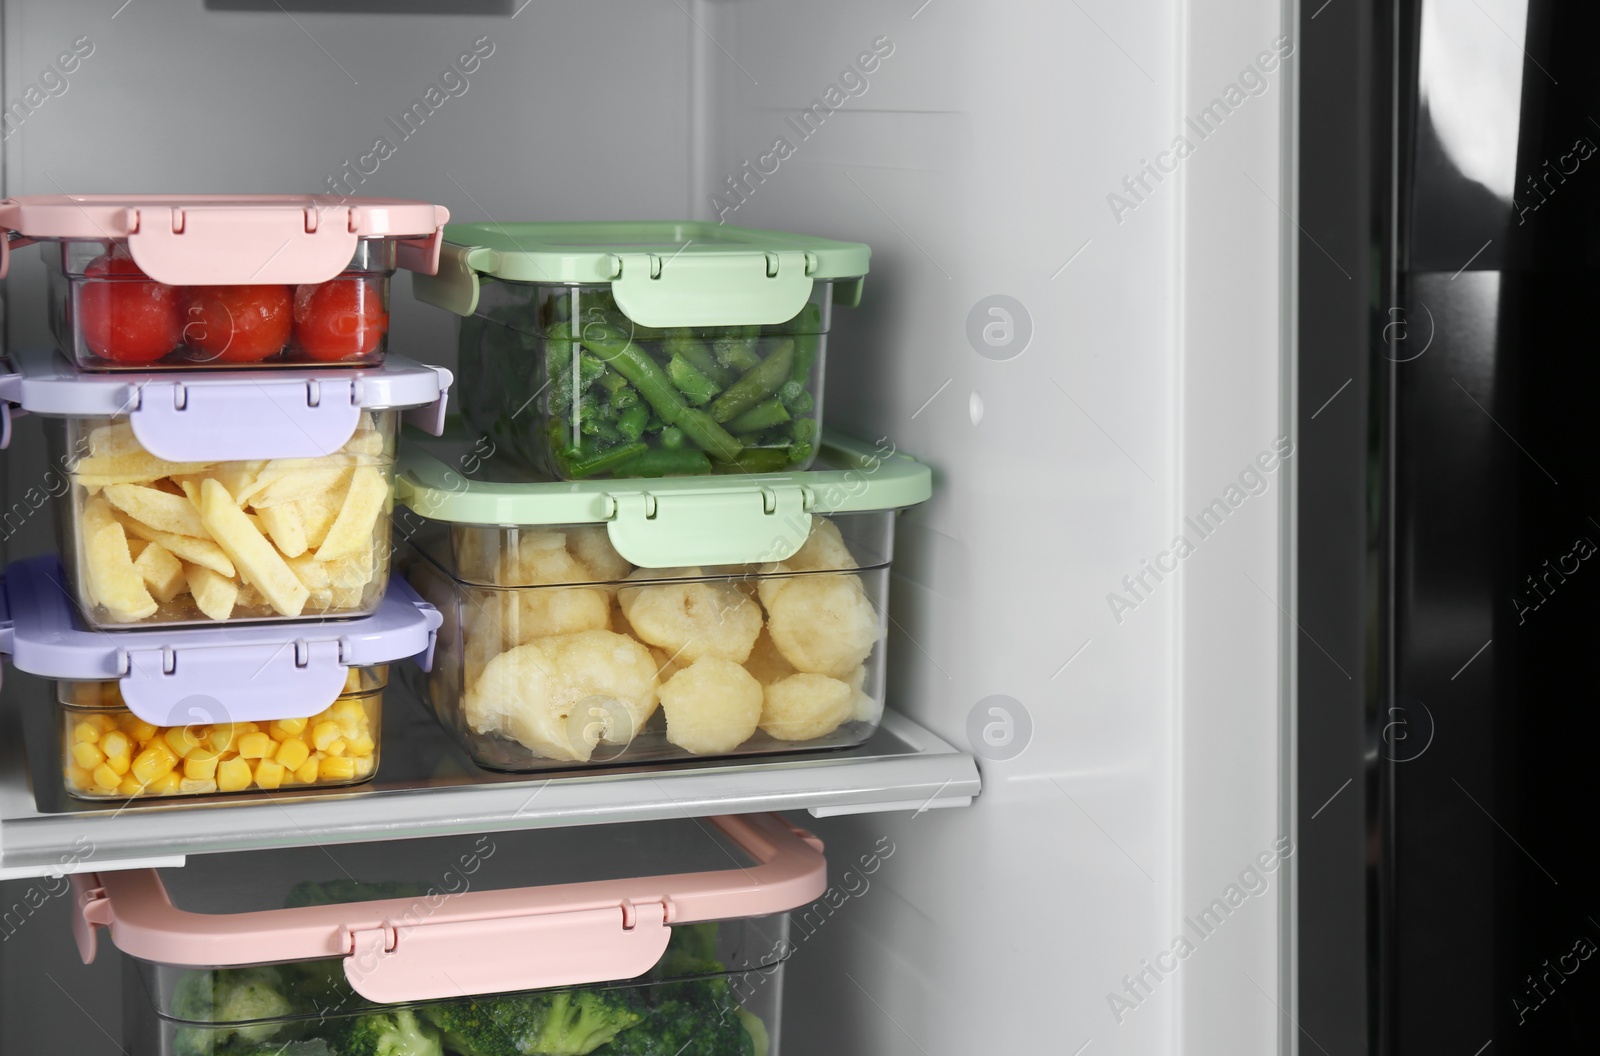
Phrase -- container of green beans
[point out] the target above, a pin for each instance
(644, 349)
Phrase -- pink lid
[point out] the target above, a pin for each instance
(481, 939)
(219, 240)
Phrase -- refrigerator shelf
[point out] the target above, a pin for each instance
(426, 787)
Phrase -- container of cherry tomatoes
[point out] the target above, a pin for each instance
(141, 282)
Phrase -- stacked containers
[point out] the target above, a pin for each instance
(515, 942)
(645, 349)
(244, 474)
(626, 618)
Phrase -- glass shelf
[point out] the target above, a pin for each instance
(426, 787)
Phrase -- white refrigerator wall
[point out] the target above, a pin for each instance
(1084, 373)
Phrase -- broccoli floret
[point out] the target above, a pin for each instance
(243, 996)
(687, 1028)
(397, 1032)
(566, 1023)
(342, 890)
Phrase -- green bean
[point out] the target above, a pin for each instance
(757, 384)
(704, 430)
(589, 463)
(700, 356)
(695, 386)
(763, 415)
(632, 421)
(665, 462)
(755, 460)
(736, 348)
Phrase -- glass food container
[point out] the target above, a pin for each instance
(108, 752)
(645, 349)
(142, 282)
(617, 940)
(227, 497)
(232, 709)
(604, 624)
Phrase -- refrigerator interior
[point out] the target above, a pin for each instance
(1095, 358)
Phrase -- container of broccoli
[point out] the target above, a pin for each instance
(644, 349)
(690, 1004)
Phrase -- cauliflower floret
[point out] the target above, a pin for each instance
(770, 583)
(560, 696)
(804, 707)
(540, 558)
(691, 620)
(712, 706)
(666, 666)
(766, 663)
(544, 611)
(489, 622)
(823, 550)
(823, 623)
(865, 707)
(591, 545)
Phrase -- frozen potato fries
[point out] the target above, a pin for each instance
(229, 540)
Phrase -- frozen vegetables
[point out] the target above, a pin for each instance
(241, 539)
(308, 1009)
(616, 398)
(585, 653)
(112, 753)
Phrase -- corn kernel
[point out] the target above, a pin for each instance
(86, 733)
(106, 722)
(233, 775)
(200, 767)
(324, 734)
(224, 735)
(141, 731)
(184, 739)
(247, 727)
(197, 786)
(283, 729)
(120, 764)
(87, 755)
(153, 762)
(333, 768)
(269, 774)
(257, 746)
(339, 747)
(130, 787)
(293, 753)
(363, 745)
(106, 778)
(167, 784)
(78, 777)
(116, 743)
(347, 711)
(308, 771)
(365, 765)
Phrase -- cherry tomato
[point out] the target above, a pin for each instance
(237, 324)
(339, 319)
(124, 319)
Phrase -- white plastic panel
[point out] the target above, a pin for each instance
(977, 163)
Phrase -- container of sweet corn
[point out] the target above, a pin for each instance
(622, 623)
(265, 707)
(108, 752)
(223, 498)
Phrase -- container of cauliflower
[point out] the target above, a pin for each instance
(558, 650)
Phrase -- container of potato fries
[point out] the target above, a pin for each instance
(211, 498)
(629, 622)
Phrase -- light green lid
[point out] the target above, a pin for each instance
(674, 521)
(662, 272)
